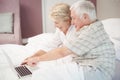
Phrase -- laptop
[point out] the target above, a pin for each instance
(21, 71)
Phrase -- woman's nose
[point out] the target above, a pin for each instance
(55, 25)
(72, 22)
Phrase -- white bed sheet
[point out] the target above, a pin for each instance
(18, 53)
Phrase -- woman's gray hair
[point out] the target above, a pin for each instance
(60, 11)
(82, 7)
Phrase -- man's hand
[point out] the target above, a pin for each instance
(32, 61)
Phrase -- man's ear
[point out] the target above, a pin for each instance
(85, 16)
(86, 19)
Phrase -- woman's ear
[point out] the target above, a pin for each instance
(68, 21)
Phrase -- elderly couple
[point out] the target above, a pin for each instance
(84, 50)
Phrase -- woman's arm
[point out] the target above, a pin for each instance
(39, 53)
(50, 55)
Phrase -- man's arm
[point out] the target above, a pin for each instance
(55, 54)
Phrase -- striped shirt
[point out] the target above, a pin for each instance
(94, 51)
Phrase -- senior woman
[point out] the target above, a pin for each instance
(53, 64)
(60, 15)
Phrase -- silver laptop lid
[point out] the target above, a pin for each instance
(12, 67)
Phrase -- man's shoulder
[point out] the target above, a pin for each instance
(96, 26)
(96, 23)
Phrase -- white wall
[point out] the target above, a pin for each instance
(108, 9)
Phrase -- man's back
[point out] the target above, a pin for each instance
(95, 52)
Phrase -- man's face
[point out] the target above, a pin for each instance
(76, 20)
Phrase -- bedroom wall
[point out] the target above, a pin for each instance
(108, 9)
(31, 20)
(11, 6)
(31, 17)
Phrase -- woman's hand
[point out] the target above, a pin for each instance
(31, 61)
(34, 59)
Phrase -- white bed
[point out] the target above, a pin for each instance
(18, 53)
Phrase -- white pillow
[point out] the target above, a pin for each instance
(37, 42)
(40, 38)
(6, 22)
(112, 27)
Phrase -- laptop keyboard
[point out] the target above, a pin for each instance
(23, 71)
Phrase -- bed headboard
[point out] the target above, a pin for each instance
(13, 7)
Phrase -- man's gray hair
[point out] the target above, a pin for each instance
(82, 7)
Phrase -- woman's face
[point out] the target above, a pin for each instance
(62, 25)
